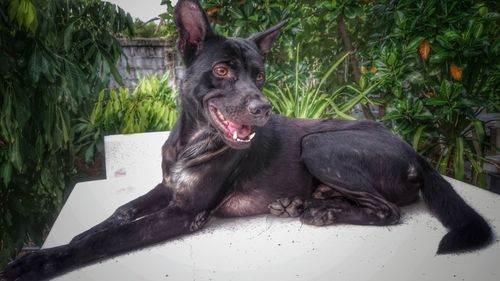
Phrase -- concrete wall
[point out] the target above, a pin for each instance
(147, 56)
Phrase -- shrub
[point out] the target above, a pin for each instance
(55, 56)
(303, 96)
(150, 107)
(436, 62)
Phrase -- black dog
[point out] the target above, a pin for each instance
(229, 156)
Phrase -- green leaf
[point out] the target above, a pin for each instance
(89, 154)
(16, 157)
(450, 36)
(35, 65)
(444, 159)
(479, 130)
(391, 59)
(64, 127)
(114, 71)
(349, 12)
(30, 16)
(6, 173)
(68, 34)
(478, 31)
(13, 9)
(417, 137)
(458, 162)
(413, 45)
(329, 72)
(236, 14)
(477, 167)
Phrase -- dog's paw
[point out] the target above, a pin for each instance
(199, 221)
(26, 267)
(287, 207)
(319, 216)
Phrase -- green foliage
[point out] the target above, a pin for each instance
(164, 29)
(306, 97)
(312, 24)
(55, 55)
(162, 26)
(434, 99)
(150, 107)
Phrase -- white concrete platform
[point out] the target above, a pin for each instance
(265, 247)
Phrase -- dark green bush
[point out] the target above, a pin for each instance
(55, 56)
(437, 62)
(150, 107)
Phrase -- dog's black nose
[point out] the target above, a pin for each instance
(259, 108)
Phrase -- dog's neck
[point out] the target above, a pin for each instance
(194, 128)
(191, 145)
(192, 141)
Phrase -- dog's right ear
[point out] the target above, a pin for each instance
(193, 26)
(265, 39)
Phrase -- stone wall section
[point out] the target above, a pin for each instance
(147, 56)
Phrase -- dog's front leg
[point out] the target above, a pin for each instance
(156, 199)
(153, 228)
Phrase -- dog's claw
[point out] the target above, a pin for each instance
(286, 207)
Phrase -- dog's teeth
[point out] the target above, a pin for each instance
(220, 115)
(235, 135)
(226, 123)
(251, 136)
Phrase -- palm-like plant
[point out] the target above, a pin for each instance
(307, 98)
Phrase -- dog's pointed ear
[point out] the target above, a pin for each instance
(193, 26)
(264, 40)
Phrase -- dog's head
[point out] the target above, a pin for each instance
(224, 77)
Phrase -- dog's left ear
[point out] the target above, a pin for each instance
(264, 40)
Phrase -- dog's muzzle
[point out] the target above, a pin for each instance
(259, 110)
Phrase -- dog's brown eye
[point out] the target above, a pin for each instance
(221, 71)
(259, 77)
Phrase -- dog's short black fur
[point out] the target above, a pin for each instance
(229, 156)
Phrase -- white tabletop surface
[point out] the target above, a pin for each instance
(265, 247)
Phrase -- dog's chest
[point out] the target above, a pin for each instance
(285, 176)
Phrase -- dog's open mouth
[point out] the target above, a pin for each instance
(234, 132)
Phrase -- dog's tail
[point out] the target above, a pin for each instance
(467, 229)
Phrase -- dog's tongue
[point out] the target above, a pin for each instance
(243, 131)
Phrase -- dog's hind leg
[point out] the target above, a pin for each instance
(156, 199)
(335, 210)
(296, 206)
(345, 169)
(363, 209)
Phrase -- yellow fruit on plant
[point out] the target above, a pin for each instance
(424, 49)
(456, 72)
